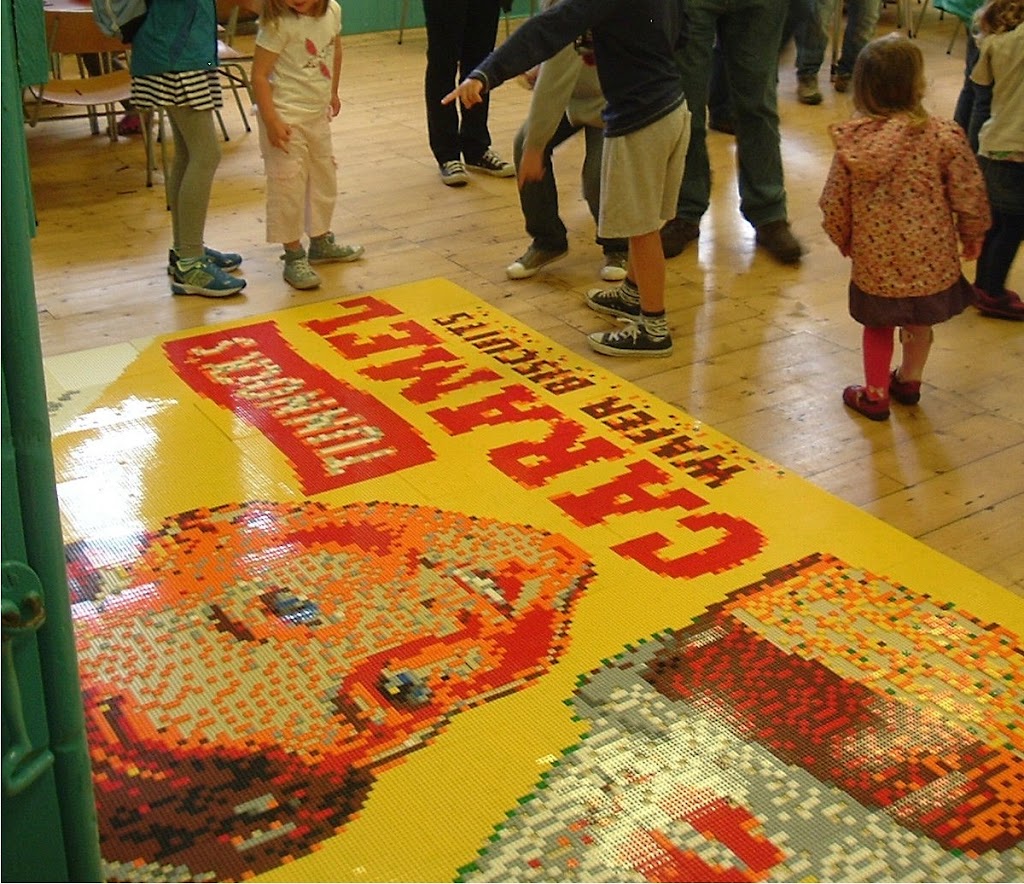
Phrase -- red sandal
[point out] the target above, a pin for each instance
(856, 397)
(907, 392)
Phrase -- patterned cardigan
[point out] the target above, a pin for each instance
(899, 195)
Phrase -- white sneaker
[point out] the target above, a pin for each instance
(614, 269)
(531, 261)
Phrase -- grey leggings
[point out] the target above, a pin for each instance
(196, 157)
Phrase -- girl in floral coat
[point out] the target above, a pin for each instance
(903, 193)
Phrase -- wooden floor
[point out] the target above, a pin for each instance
(762, 351)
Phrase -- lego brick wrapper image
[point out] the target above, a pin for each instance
(302, 646)
(392, 587)
(790, 734)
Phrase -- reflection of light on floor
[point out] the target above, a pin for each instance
(107, 470)
(132, 409)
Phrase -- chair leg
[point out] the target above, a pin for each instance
(402, 20)
(223, 128)
(956, 30)
(146, 124)
(163, 154)
(238, 79)
(920, 17)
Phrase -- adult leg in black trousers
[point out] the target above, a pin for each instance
(460, 34)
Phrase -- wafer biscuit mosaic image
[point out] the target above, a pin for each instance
(390, 587)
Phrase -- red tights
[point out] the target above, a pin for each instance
(878, 349)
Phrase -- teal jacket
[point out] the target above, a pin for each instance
(962, 9)
(177, 35)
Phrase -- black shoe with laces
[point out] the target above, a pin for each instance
(491, 164)
(631, 340)
(616, 301)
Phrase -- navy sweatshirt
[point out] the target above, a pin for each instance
(634, 49)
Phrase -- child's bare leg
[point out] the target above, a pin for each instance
(647, 333)
(917, 343)
(647, 269)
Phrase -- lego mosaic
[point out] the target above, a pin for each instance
(391, 588)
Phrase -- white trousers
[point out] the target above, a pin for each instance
(302, 181)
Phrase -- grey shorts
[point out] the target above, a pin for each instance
(641, 174)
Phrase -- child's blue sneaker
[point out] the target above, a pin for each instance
(323, 249)
(202, 276)
(224, 260)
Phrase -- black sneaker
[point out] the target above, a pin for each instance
(453, 173)
(631, 340)
(614, 302)
(491, 164)
(531, 261)
(777, 239)
(676, 235)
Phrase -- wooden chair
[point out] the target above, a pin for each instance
(232, 62)
(69, 36)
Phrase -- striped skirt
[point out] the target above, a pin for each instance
(199, 90)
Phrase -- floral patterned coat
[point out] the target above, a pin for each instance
(898, 197)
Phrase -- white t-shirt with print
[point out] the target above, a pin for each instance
(304, 45)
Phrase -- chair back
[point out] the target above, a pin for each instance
(227, 18)
(76, 33)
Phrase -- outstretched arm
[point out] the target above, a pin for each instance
(470, 92)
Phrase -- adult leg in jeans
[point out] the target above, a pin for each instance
(719, 109)
(750, 36)
(694, 61)
(190, 178)
(539, 199)
(974, 104)
(861, 22)
(1004, 180)
(809, 24)
(480, 31)
(591, 176)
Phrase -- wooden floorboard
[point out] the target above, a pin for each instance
(762, 351)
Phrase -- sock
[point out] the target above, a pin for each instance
(878, 347)
(629, 292)
(655, 324)
(294, 254)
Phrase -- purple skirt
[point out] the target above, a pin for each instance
(878, 312)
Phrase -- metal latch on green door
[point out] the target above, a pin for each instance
(23, 613)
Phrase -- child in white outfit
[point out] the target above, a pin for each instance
(295, 74)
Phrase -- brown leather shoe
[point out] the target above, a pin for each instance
(1009, 306)
(777, 239)
(676, 235)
